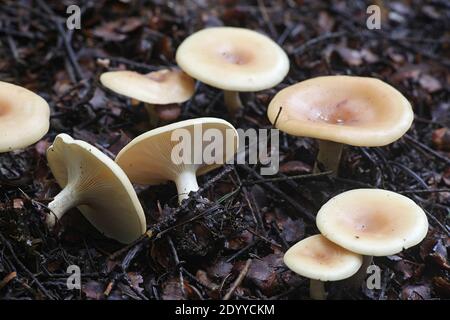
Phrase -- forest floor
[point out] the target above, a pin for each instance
(197, 251)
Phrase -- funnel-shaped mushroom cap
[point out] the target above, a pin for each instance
(98, 187)
(318, 258)
(158, 87)
(233, 59)
(149, 158)
(356, 111)
(24, 117)
(372, 222)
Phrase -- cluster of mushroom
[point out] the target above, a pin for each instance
(355, 226)
(231, 59)
(101, 189)
(235, 60)
(337, 110)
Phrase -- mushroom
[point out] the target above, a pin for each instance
(97, 186)
(234, 60)
(156, 89)
(319, 259)
(372, 222)
(337, 110)
(150, 159)
(24, 117)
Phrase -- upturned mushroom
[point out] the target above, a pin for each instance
(372, 222)
(24, 117)
(158, 90)
(158, 156)
(320, 260)
(97, 186)
(234, 60)
(338, 110)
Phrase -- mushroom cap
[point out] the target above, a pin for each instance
(318, 258)
(158, 87)
(357, 111)
(234, 59)
(372, 221)
(106, 196)
(24, 117)
(147, 158)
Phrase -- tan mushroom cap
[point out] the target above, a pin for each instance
(318, 258)
(24, 117)
(372, 222)
(147, 158)
(98, 187)
(233, 59)
(357, 111)
(159, 87)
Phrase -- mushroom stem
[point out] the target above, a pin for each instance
(356, 280)
(152, 115)
(186, 182)
(64, 201)
(329, 156)
(232, 101)
(317, 290)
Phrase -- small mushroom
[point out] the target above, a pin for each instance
(24, 117)
(339, 110)
(234, 60)
(372, 222)
(97, 186)
(156, 89)
(148, 159)
(319, 259)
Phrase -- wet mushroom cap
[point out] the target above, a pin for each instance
(106, 196)
(320, 259)
(356, 111)
(147, 158)
(159, 87)
(24, 117)
(233, 59)
(372, 222)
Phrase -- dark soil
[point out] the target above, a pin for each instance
(197, 251)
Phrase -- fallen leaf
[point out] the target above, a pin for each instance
(136, 281)
(416, 292)
(441, 139)
(220, 269)
(93, 290)
(430, 83)
(264, 273)
(295, 167)
(442, 286)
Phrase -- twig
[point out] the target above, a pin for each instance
(312, 42)
(239, 279)
(177, 265)
(424, 191)
(25, 269)
(7, 279)
(296, 177)
(289, 199)
(416, 144)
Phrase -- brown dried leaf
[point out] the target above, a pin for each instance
(441, 139)
(136, 281)
(93, 290)
(430, 83)
(416, 292)
(264, 273)
(295, 167)
(220, 269)
(442, 286)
